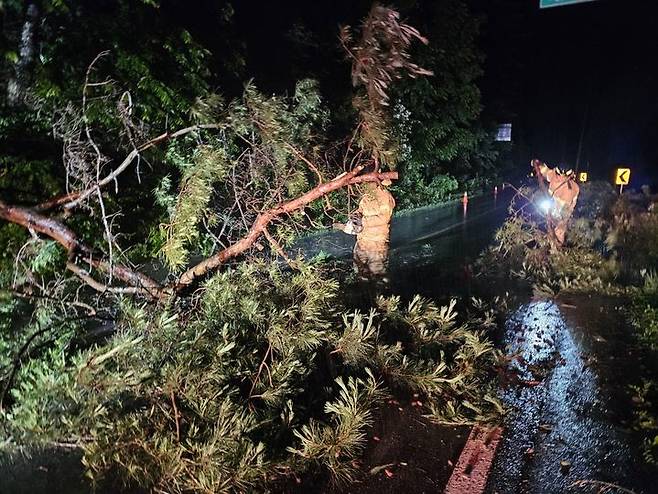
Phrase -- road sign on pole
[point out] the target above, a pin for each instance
(622, 177)
(582, 177)
(545, 4)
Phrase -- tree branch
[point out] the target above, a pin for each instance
(278, 249)
(307, 161)
(100, 287)
(264, 219)
(374, 177)
(56, 202)
(73, 199)
(142, 284)
(69, 240)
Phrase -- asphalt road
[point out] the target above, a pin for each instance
(569, 429)
(431, 248)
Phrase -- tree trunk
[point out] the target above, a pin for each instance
(18, 82)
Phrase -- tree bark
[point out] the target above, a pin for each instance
(78, 251)
(18, 82)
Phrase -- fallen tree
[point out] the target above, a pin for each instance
(138, 283)
(245, 167)
(78, 253)
(229, 387)
(260, 225)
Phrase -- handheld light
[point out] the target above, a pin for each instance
(546, 205)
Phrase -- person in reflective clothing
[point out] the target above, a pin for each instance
(372, 225)
(564, 190)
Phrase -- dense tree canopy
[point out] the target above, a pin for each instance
(123, 69)
(134, 173)
(438, 117)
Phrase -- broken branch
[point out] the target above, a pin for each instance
(73, 199)
(69, 240)
(264, 219)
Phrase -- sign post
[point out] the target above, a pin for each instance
(582, 177)
(545, 4)
(622, 177)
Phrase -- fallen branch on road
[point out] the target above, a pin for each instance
(264, 219)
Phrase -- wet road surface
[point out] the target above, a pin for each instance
(568, 429)
(431, 248)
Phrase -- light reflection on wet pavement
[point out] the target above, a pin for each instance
(567, 415)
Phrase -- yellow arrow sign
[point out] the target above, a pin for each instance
(622, 176)
(582, 177)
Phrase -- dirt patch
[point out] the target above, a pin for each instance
(405, 453)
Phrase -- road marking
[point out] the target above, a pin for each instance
(472, 470)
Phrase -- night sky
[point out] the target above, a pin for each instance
(587, 70)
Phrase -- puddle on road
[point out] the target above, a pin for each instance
(568, 400)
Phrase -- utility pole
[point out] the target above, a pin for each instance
(583, 126)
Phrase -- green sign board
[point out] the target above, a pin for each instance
(544, 4)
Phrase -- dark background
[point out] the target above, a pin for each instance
(581, 75)
(587, 70)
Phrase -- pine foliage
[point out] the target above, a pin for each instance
(250, 161)
(235, 392)
(344, 438)
(209, 167)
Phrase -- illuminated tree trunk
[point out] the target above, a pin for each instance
(19, 80)
(372, 242)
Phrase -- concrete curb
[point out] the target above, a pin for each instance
(472, 470)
